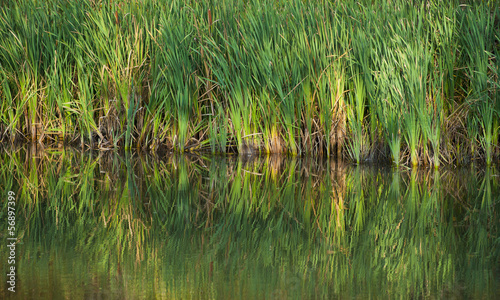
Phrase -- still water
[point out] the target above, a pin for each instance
(107, 226)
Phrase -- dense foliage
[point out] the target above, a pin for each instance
(365, 80)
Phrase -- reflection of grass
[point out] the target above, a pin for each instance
(361, 79)
(319, 224)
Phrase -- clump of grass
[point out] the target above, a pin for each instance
(260, 77)
(478, 39)
(355, 116)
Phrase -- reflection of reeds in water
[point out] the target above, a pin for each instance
(209, 218)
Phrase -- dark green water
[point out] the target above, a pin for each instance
(105, 226)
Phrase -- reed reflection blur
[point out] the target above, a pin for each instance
(100, 225)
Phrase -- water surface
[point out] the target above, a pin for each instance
(108, 226)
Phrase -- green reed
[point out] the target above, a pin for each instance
(477, 40)
(270, 76)
(355, 116)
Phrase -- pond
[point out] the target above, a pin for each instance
(93, 225)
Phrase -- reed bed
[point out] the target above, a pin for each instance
(361, 80)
